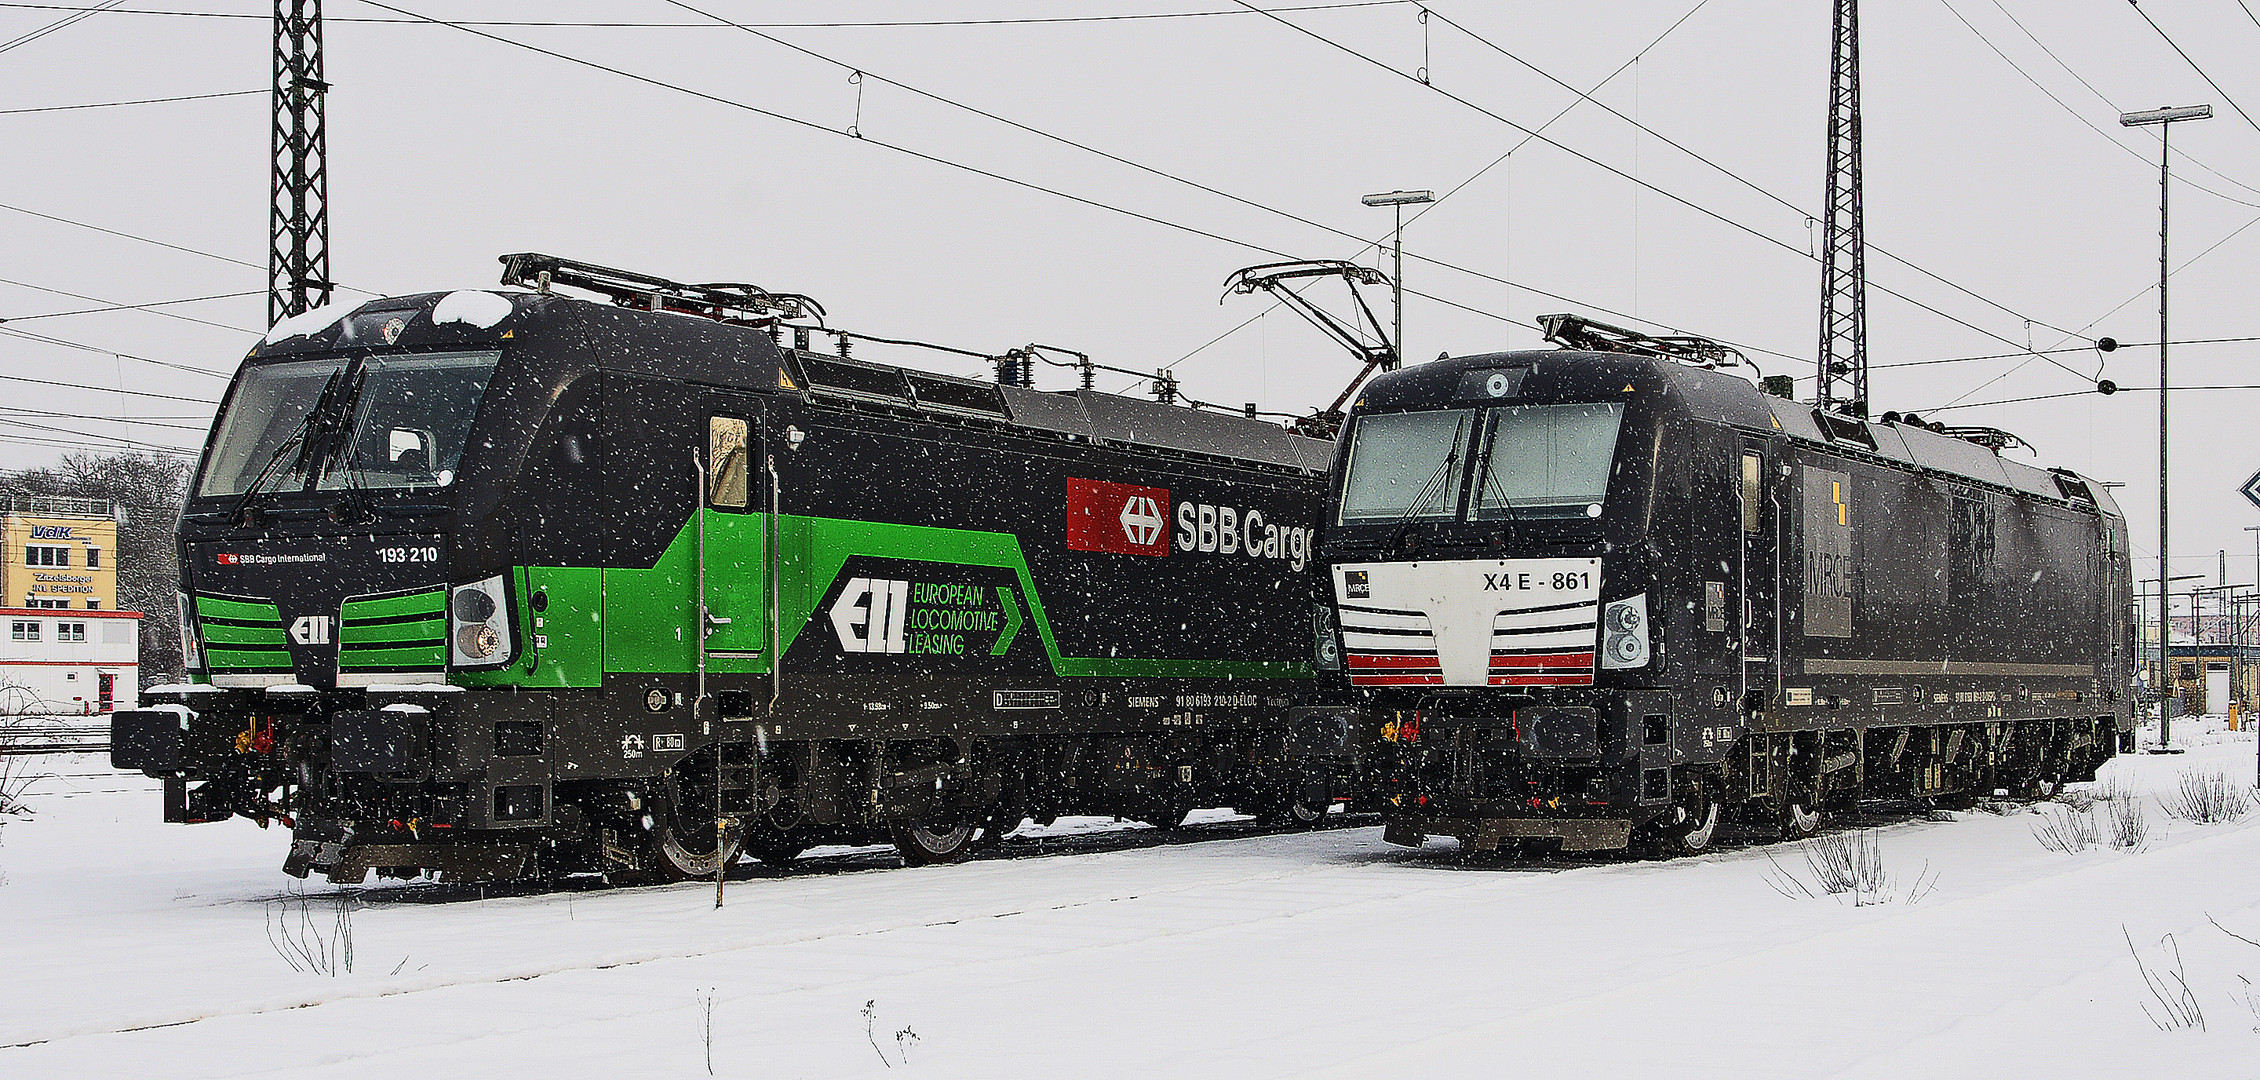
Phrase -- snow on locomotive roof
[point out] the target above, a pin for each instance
(696, 347)
(1924, 449)
(1119, 419)
(1728, 398)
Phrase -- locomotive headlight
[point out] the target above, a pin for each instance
(481, 624)
(1624, 633)
(477, 642)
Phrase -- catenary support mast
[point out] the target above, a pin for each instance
(1843, 375)
(298, 227)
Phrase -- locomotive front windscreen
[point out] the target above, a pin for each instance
(1406, 466)
(1546, 460)
(376, 422)
(1527, 461)
(410, 420)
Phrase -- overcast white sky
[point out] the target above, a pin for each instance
(447, 149)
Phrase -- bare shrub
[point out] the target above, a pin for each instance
(2208, 798)
(2082, 797)
(2130, 823)
(904, 1038)
(2246, 994)
(1847, 865)
(706, 1025)
(16, 774)
(310, 939)
(2065, 830)
(2177, 1007)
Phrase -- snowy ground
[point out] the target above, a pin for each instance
(130, 947)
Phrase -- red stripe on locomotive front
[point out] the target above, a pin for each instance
(1358, 660)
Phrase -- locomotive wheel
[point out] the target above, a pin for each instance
(1301, 809)
(1691, 824)
(1800, 817)
(927, 843)
(685, 850)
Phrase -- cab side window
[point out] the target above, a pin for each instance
(726, 462)
(1753, 493)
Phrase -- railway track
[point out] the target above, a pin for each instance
(54, 739)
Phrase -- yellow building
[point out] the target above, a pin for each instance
(59, 553)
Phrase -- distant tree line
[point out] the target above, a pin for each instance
(149, 489)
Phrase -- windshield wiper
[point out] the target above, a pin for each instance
(297, 441)
(1428, 490)
(339, 446)
(1491, 490)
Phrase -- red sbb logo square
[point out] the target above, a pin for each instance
(1121, 519)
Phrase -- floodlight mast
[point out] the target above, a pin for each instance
(2163, 119)
(1398, 200)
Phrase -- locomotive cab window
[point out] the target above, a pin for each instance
(1549, 461)
(1406, 466)
(411, 417)
(387, 422)
(1753, 492)
(726, 462)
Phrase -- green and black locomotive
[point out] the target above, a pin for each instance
(496, 584)
(1605, 595)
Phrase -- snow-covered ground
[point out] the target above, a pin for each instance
(128, 947)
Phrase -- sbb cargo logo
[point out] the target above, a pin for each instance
(1121, 519)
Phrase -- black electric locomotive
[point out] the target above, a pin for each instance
(1603, 595)
(504, 583)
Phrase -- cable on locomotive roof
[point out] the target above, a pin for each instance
(725, 301)
(1579, 332)
(1992, 438)
(753, 305)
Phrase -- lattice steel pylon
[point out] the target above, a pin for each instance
(1843, 372)
(298, 228)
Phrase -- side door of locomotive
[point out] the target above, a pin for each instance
(1760, 571)
(737, 529)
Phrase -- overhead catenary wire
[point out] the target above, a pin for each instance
(2084, 393)
(2082, 117)
(76, 15)
(152, 307)
(860, 72)
(1583, 96)
(139, 421)
(2138, 294)
(647, 25)
(2107, 102)
(865, 73)
(1732, 175)
(924, 156)
(153, 394)
(261, 267)
(2193, 65)
(67, 444)
(1614, 171)
(134, 444)
(84, 347)
(136, 101)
